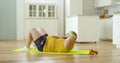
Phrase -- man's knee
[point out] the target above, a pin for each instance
(32, 30)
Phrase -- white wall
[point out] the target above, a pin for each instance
(7, 19)
(20, 19)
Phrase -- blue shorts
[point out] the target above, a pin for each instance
(40, 42)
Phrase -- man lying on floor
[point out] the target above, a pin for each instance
(46, 43)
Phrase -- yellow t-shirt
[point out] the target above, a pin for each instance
(55, 44)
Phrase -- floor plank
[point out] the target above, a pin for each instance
(108, 53)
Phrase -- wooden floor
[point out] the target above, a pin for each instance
(108, 53)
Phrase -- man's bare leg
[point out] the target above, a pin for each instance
(29, 40)
(41, 31)
(32, 36)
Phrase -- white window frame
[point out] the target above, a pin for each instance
(48, 10)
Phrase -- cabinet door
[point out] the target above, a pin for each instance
(41, 10)
(88, 29)
(116, 30)
(106, 29)
(102, 3)
(32, 10)
(49, 25)
(51, 11)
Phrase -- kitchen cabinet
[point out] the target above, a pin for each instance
(86, 27)
(102, 3)
(116, 30)
(40, 10)
(106, 29)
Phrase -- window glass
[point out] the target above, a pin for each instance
(42, 10)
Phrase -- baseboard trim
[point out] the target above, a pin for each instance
(106, 39)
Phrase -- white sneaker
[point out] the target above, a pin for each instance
(32, 46)
(25, 49)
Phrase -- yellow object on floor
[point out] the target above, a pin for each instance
(35, 50)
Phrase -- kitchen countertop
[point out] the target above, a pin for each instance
(83, 15)
(117, 13)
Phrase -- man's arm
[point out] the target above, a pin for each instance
(69, 42)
